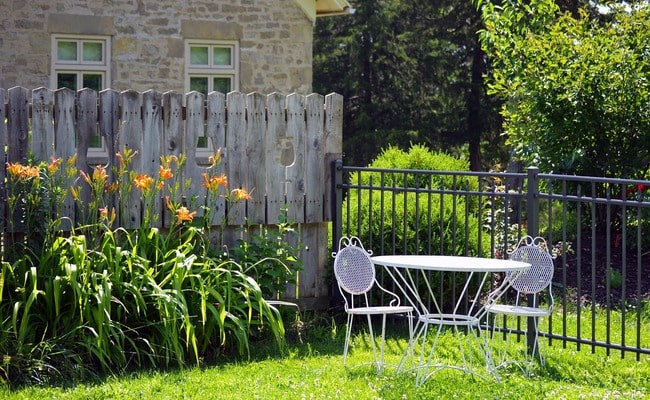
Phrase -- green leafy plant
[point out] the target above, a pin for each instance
(270, 254)
(100, 298)
(579, 106)
(429, 222)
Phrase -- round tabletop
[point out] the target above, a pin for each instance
(450, 263)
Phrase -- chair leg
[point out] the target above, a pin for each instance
(409, 353)
(498, 353)
(421, 376)
(536, 349)
(506, 355)
(348, 332)
(374, 347)
(382, 344)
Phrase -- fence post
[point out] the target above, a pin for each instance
(532, 211)
(337, 219)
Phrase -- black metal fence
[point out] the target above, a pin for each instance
(598, 229)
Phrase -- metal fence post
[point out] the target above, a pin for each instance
(532, 211)
(336, 300)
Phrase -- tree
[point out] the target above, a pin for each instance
(582, 104)
(411, 72)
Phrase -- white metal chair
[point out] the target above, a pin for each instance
(356, 276)
(535, 282)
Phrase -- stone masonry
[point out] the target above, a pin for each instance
(147, 39)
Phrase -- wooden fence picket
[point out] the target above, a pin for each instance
(256, 157)
(130, 138)
(315, 158)
(295, 149)
(236, 160)
(273, 144)
(216, 132)
(42, 111)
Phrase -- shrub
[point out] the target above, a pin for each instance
(431, 221)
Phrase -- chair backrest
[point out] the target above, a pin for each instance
(353, 268)
(535, 252)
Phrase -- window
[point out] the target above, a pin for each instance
(82, 62)
(211, 66)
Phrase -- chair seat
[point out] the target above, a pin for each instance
(522, 311)
(449, 319)
(380, 310)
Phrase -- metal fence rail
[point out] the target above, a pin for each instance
(599, 229)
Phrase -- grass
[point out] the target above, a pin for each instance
(313, 370)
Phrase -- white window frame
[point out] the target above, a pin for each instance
(210, 72)
(79, 67)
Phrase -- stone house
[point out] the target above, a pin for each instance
(181, 45)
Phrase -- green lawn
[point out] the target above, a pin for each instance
(313, 370)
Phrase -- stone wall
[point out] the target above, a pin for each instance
(275, 38)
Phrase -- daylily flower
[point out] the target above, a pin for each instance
(183, 214)
(240, 194)
(213, 183)
(53, 166)
(100, 174)
(167, 161)
(143, 182)
(22, 172)
(165, 173)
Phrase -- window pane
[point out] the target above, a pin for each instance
(199, 84)
(202, 142)
(95, 141)
(92, 81)
(221, 84)
(66, 51)
(199, 55)
(92, 51)
(222, 56)
(66, 80)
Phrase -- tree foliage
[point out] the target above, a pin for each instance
(576, 90)
(411, 72)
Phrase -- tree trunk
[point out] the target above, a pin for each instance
(475, 120)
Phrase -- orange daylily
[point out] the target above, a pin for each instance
(53, 166)
(22, 172)
(213, 183)
(99, 175)
(168, 160)
(143, 182)
(240, 194)
(165, 173)
(183, 214)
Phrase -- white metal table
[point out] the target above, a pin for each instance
(411, 275)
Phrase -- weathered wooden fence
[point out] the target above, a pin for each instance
(278, 147)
